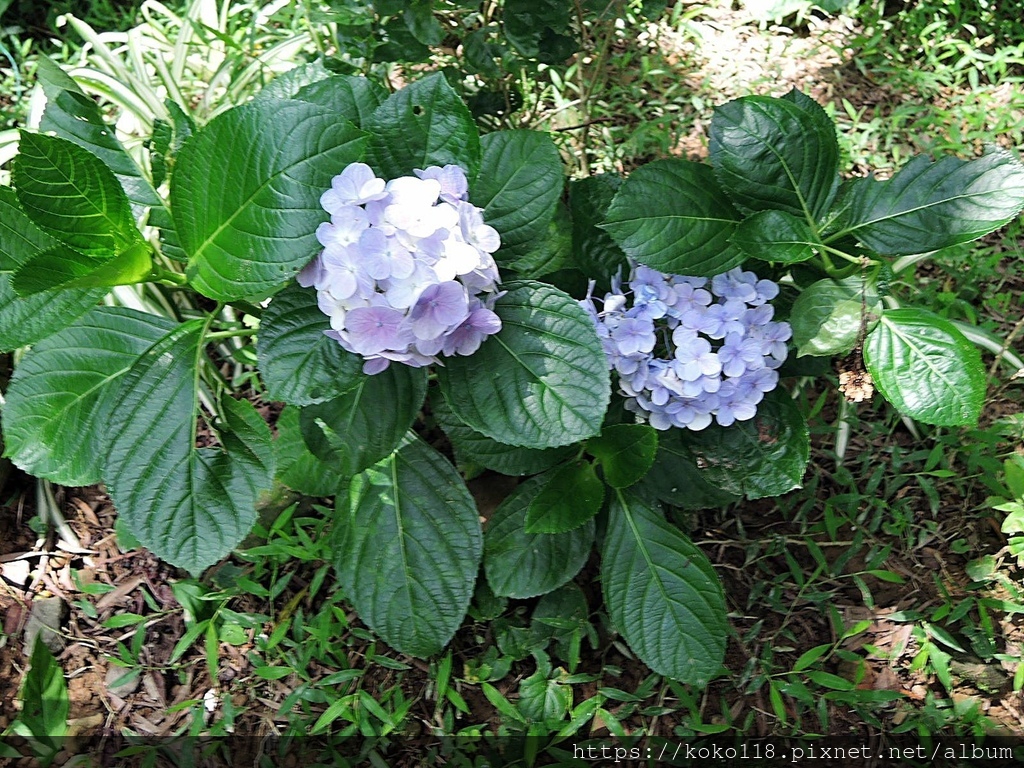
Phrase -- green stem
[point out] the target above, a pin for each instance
(164, 276)
(215, 335)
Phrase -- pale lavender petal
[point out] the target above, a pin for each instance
(375, 329)
(440, 307)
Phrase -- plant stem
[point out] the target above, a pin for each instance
(165, 276)
(215, 335)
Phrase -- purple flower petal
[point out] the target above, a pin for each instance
(375, 329)
(440, 307)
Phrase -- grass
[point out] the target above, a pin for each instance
(879, 600)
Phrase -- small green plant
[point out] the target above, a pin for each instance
(1011, 502)
(42, 720)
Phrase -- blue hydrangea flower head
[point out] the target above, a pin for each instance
(406, 273)
(690, 351)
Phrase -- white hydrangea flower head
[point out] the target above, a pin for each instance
(406, 273)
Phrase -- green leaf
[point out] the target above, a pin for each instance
(287, 84)
(539, 29)
(20, 239)
(407, 546)
(765, 456)
(362, 426)
(189, 506)
(72, 115)
(662, 593)
(297, 467)
(471, 446)
(71, 195)
(44, 695)
(420, 21)
(671, 215)
(520, 564)
(674, 479)
(519, 184)
(626, 452)
(1013, 469)
(26, 320)
(550, 252)
(300, 365)
(64, 268)
(776, 154)
(246, 193)
(61, 395)
(572, 495)
(540, 382)
(926, 368)
(421, 125)
(594, 252)
(826, 317)
(828, 680)
(810, 656)
(351, 98)
(273, 673)
(930, 205)
(775, 236)
(542, 699)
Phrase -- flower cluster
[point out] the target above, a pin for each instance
(688, 349)
(406, 272)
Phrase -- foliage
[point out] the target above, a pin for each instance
(189, 455)
(44, 706)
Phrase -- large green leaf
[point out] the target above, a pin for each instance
(671, 215)
(352, 98)
(471, 446)
(189, 505)
(287, 84)
(674, 478)
(71, 195)
(930, 205)
(572, 495)
(662, 593)
(246, 193)
(775, 236)
(362, 426)
(72, 115)
(826, 317)
(407, 547)
(297, 467)
(26, 320)
(626, 452)
(594, 252)
(60, 396)
(540, 382)
(421, 125)
(65, 268)
(519, 185)
(764, 456)
(926, 368)
(776, 154)
(520, 564)
(20, 239)
(300, 365)
(548, 253)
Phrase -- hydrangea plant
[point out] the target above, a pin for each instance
(404, 276)
(403, 267)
